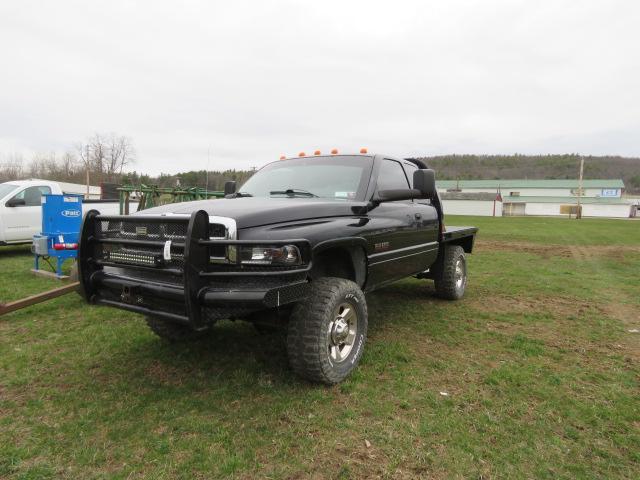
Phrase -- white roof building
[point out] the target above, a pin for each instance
(600, 198)
(536, 188)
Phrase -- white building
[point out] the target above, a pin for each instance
(481, 204)
(601, 198)
(566, 206)
(535, 188)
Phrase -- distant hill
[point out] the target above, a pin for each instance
(470, 167)
(453, 167)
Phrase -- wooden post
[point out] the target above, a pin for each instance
(40, 297)
(579, 212)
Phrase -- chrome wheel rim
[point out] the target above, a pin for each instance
(342, 332)
(460, 273)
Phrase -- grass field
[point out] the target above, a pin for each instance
(539, 367)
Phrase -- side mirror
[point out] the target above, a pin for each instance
(229, 187)
(16, 202)
(425, 181)
(395, 195)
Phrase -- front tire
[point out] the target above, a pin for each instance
(451, 279)
(327, 332)
(174, 332)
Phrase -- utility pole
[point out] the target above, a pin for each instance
(206, 187)
(87, 165)
(579, 212)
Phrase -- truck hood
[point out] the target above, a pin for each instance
(253, 212)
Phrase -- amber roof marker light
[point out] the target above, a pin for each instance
(363, 150)
(334, 151)
(317, 152)
(282, 157)
(302, 154)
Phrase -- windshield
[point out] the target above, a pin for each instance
(6, 188)
(339, 177)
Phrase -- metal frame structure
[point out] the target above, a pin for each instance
(150, 195)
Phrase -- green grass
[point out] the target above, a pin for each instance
(554, 230)
(537, 361)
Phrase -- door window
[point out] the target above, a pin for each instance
(32, 195)
(391, 176)
(410, 168)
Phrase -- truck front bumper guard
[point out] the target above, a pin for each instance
(179, 249)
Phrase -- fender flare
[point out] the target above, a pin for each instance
(357, 249)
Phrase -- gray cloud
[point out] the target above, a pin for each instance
(253, 80)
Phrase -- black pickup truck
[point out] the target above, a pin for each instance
(296, 248)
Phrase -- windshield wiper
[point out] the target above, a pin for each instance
(292, 192)
(238, 195)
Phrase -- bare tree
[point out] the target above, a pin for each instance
(70, 165)
(99, 151)
(11, 168)
(51, 168)
(38, 166)
(100, 157)
(106, 156)
(120, 154)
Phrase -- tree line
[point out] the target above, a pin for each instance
(108, 157)
(542, 167)
(103, 157)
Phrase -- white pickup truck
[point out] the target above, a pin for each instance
(21, 211)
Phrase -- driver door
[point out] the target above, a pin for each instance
(394, 250)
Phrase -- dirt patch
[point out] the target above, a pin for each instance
(587, 252)
(543, 250)
(349, 458)
(165, 374)
(562, 309)
(583, 252)
(629, 316)
(556, 306)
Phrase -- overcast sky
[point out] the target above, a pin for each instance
(253, 80)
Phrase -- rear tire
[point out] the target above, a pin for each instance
(327, 332)
(451, 279)
(174, 332)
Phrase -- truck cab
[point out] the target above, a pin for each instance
(20, 209)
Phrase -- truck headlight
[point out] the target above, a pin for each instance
(285, 255)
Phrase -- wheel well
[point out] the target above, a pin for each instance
(341, 262)
(465, 242)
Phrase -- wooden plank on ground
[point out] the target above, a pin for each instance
(47, 274)
(40, 297)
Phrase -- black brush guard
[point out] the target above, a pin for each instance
(188, 284)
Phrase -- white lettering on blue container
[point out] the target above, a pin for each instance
(71, 213)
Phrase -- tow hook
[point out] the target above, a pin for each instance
(130, 295)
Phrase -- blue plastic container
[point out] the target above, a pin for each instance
(61, 221)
